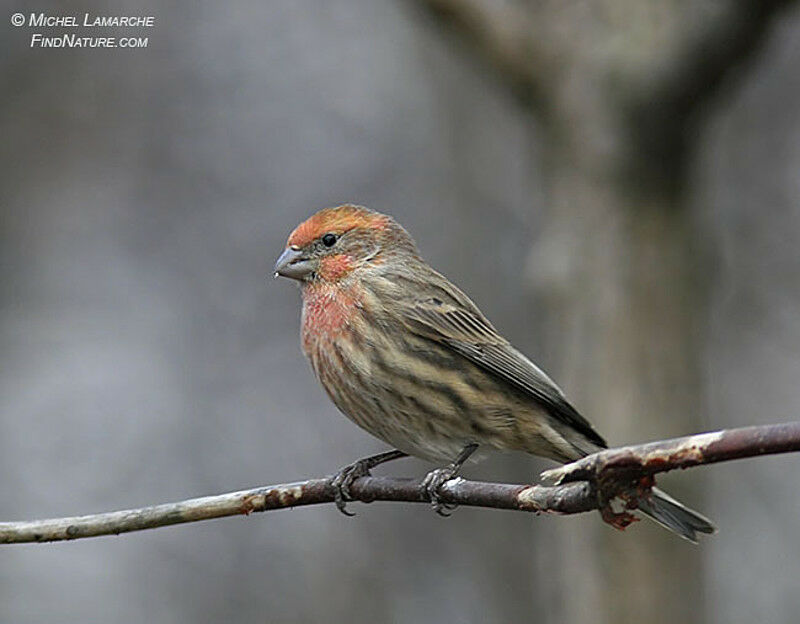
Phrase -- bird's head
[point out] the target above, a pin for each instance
(336, 242)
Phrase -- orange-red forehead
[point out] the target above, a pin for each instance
(336, 220)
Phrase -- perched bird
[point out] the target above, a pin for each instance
(411, 359)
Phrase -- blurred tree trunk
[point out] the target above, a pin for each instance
(614, 270)
(618, 86)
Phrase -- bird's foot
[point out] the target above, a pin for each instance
(344, 478)
(435, 479)
(432, 485)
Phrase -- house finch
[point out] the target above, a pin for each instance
(407, 356)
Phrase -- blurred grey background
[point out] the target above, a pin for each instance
(146, 357)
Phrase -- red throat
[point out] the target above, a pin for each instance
(327, 311)
(334, 268)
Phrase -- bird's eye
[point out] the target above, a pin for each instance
(329, 240)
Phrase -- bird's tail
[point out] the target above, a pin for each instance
(674, 516)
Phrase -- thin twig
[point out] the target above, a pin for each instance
(571, 498)
(706, 448)
(576, 492)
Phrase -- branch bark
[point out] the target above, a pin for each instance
(576, 490)
(644, 460)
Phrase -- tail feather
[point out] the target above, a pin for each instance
(674, 516)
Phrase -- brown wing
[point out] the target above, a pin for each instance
(461, 326)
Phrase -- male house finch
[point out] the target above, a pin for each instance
(408, 357)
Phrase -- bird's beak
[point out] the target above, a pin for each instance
(293, 265)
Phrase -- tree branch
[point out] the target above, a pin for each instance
(644, 460)
(578, 487)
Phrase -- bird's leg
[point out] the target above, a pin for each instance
(342, 480)
(435, 479)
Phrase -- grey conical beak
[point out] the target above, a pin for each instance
(293, 264)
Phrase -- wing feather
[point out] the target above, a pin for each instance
(461, 326)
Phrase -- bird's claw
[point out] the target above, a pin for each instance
(431, 486)
(342, 480)
(435, 479)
